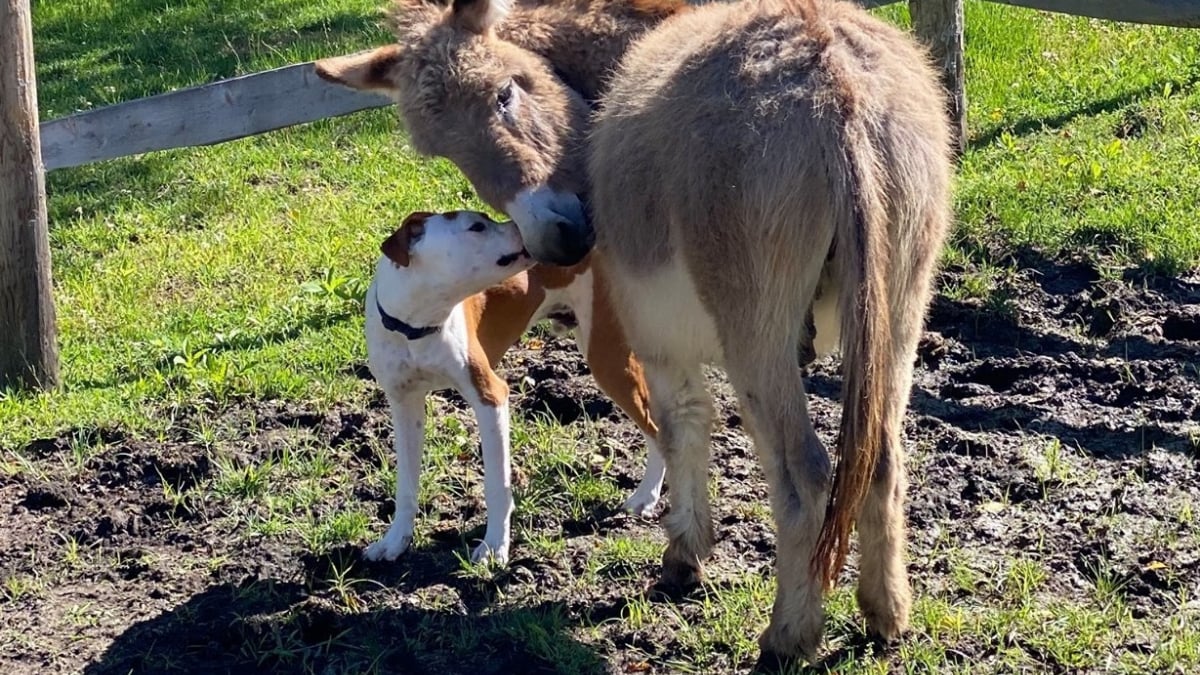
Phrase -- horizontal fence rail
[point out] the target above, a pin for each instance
(1178, 13)
(212, 113)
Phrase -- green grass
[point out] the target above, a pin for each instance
(200, 276)
(1083, 138)
(211, 274)
(196, 281)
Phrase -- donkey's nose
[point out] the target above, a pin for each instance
(554, 225)
(575, 240)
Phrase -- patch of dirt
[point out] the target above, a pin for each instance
(1062, 426)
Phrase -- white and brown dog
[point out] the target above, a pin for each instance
(452, 292)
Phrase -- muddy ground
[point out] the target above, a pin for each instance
(1062, 417)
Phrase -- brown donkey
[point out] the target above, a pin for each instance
(743, 153)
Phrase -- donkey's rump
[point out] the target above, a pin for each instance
(734, 110)
(738, 147)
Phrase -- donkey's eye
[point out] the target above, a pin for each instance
(504, 96)
(477, 227)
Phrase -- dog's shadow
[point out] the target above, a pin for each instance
(329, 622)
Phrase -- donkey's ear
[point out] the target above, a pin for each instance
(370, 70)
(398, 247)
(479, 16)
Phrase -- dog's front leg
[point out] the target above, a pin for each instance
(408, 420)
(497, 477)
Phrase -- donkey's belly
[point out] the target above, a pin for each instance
(663, 316)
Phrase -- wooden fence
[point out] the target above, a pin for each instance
(262, 102)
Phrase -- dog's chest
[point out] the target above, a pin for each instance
(437, 361)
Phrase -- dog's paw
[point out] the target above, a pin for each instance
(496, 553)
(388, 548)
(641, 505)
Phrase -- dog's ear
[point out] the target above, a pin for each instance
(398, 246)
(370, 70)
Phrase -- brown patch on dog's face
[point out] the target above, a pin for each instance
(398, 247)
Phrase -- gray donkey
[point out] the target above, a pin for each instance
(742, 153)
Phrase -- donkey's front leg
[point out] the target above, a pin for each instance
(491, 411)
(408, 421)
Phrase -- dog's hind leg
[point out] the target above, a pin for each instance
(619, 374)
(649, 490)
(408, 421)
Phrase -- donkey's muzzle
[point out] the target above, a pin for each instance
(575, 241)
(554, 225)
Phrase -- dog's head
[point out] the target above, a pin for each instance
(456, 254)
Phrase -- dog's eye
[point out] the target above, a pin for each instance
(478, 227)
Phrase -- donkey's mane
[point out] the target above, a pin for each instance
(582, 39)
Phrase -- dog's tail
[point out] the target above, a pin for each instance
(862, 252)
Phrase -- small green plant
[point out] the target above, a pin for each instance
(332, 284)
(83, 615)
(71, 550)
(1108, 584)
(1050, 465)
(623, 558)
(19, 586)
(1024, 576)
(343, 585)
(1185, 513)
(244, 481)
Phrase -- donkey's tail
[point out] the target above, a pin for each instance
(863, 255)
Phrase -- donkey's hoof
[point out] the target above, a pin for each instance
(679, 574)
(791, 641)
(887, 617)
(773, 663)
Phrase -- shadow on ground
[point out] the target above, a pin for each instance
(272, 626)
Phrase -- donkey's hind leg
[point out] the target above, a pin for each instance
(883, 589)
(681, 406)
(884, 595)
(797, 468)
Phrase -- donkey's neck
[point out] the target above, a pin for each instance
(584, 39)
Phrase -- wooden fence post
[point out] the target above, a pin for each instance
(940, 24)
(28, 337)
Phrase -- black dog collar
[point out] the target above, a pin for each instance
(393, 324)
